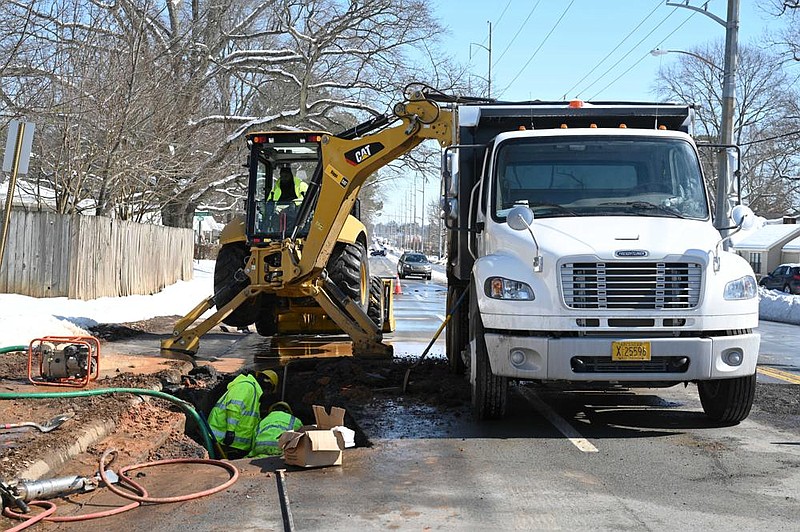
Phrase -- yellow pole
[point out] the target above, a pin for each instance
(11, 186)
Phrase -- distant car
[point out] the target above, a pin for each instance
(413, 264)
(785, 277)
(378, 252)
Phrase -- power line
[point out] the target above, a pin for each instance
(641, 58)
(516, 34)
(496, 22)
(789, 134)
(612, 67)
(528, 62)
(658, 4)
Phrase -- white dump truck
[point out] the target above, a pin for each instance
(581, 248)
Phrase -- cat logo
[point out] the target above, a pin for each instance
(359, 155)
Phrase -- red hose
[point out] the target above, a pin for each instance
(137, 499)
(49, 509)
(178, 498)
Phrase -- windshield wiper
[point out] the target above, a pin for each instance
(560, 208)
(642, 206)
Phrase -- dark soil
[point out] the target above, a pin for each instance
(778, 405)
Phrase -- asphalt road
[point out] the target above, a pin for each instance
(633, 459)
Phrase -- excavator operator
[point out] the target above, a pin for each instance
(288, 187)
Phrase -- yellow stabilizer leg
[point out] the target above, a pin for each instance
(186, 340)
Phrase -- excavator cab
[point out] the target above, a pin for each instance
(281, 167)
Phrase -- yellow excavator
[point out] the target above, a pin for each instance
(297, 261)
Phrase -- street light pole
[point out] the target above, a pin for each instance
(489, 49)
(724, 182)
(724, 187)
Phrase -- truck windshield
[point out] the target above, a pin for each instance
(600, 176)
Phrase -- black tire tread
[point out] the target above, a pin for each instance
(375, 310)
(344, 269)
(490, 393)
(728, 400)
(231, 258)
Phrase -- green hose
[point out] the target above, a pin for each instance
(12, 348)
(186, 407)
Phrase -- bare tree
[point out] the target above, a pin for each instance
(142, 104)
(766, 113)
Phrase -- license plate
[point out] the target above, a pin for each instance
(630, 351)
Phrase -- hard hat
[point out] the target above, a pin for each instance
(270, 375)
(280, 405)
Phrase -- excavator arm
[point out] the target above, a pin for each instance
(295, 267)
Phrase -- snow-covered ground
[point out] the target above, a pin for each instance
(24, 318)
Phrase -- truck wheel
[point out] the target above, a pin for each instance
(375, 310)
(727, 400)
(489, 392)
(267, 322)
(230, 259)
(348, 268)
(456, 331)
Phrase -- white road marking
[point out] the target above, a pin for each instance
(558, 422)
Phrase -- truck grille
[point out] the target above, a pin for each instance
(631, 285)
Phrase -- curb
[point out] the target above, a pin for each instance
(91, 435)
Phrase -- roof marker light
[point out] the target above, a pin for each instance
(662, 127)
(623, 126)
(593, 126)
(563, 126)
(522, 128)
(575, 104)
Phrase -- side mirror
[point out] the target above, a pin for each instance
(520, 218)
(743, 217)
(450, 209)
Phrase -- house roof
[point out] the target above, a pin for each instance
(792, 245)
(768, 237)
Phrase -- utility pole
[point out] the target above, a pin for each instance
(725, 181)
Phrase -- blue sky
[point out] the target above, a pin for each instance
(599, 50)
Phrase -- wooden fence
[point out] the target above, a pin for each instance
(86, 257)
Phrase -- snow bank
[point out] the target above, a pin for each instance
(777, 306)
(24, 318)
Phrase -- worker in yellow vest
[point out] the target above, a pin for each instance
(278, 421)
(234, 418)
(288, 187)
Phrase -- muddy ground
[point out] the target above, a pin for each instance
(154, 429)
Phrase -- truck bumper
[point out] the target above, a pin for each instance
(589, 359)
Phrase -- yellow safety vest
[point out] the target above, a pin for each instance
(237, 412)
(269, 430)
(300, 188)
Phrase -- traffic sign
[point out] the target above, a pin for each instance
(14, 129)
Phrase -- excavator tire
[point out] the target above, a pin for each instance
(230, 259)
(375, 310)
(348, 268)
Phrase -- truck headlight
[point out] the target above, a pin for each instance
(502, 288)
(742, 288)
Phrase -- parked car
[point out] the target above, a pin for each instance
(378, 252)
(785, 277)
(413, 264)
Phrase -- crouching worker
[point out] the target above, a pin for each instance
(234, 418)
(278, 421)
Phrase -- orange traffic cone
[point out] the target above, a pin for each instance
(398, 290)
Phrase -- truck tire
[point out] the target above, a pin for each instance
(489, 392)
(456, 331)
(348, 268)
(727, 400)
(375, 310)
(231, 258)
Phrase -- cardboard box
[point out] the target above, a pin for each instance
(315, 445)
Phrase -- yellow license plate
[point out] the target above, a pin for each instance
(630, 351)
